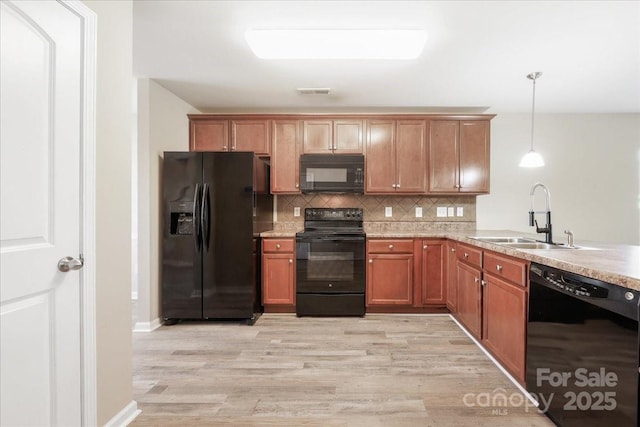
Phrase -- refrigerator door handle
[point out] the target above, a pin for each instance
(197, 235)
(205, 217)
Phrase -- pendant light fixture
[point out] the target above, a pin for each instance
(532, 159)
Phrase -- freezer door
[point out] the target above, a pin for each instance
(181, 243)
(227, 217)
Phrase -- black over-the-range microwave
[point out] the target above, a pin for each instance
(332, 173)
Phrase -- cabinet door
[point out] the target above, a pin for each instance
(469, 298)
(285, 160)
(347, 136)
(443, 156)
(504, 323)
(277, 279)
(452, 277)
(317, 136)
(474, 156)
(250, 135)
(433, 289)
(209, 135)
(390, 279)
(380, 162)
(411, 156)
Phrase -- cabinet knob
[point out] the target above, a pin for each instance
(499, 267)
(453, 249)
(390, 246)
(233, 148)
(277, 245)
(370, 261)
(425, 247)
(466, 255)
(297, 185)
(476, 280)
(290, 261)
(397, 185)
(393, 186)
(224, 147)
(483, 282)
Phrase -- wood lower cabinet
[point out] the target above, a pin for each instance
(459, 156)
(389, 272)
(432, 275)
(504, 312)
(469, 304)
(285, 157)
(278, 274)
(451, 276)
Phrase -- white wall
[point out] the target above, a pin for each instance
(162, 126)
(113, 207)
(592, 172)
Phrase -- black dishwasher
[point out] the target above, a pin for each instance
(582, 349)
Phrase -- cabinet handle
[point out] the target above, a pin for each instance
(498, 267)
(277, 245)
(370, 261)
(390, 246)
(425, 247)
(290, 261)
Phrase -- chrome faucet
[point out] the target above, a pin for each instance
(532, 221)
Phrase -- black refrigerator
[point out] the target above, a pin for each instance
(214, 206)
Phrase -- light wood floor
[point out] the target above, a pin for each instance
(381, 370)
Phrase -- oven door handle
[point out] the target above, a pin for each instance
(331, 239)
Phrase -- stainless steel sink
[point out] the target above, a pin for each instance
(519, 242)
(503, 240)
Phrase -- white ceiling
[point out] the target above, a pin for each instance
(475, 60)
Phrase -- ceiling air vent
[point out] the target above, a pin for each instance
(314, 90)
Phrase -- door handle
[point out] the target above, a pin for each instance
(70, 263)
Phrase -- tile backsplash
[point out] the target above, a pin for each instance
(403, 208)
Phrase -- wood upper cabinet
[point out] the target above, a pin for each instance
(451, 276)
(251, 135)
(432, 283)
(278, 272)
(212, 134)
(459, 156)
(208, 135)
(396, 156)
(332, 136)
(285, 159)
(389, 272)
(504, 314)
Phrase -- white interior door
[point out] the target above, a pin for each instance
(40, 217)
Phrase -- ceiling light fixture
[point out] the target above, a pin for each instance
(532, 159)
(336, 44)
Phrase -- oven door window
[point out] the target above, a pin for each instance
(330, 261)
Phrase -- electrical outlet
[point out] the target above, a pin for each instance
(296, 211)
(441, 211)
(450, 211)
(388, 211)
(459, 211)
(418, 212)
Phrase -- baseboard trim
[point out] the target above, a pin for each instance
(495, 362)
(147, 326)
(125, 416)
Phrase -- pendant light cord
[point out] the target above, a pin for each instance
(533, 107)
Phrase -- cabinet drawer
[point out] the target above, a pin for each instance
(470, 255)
(387, 246)
(278, 245)
(508, 268)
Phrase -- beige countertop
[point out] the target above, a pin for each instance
(613, 263)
